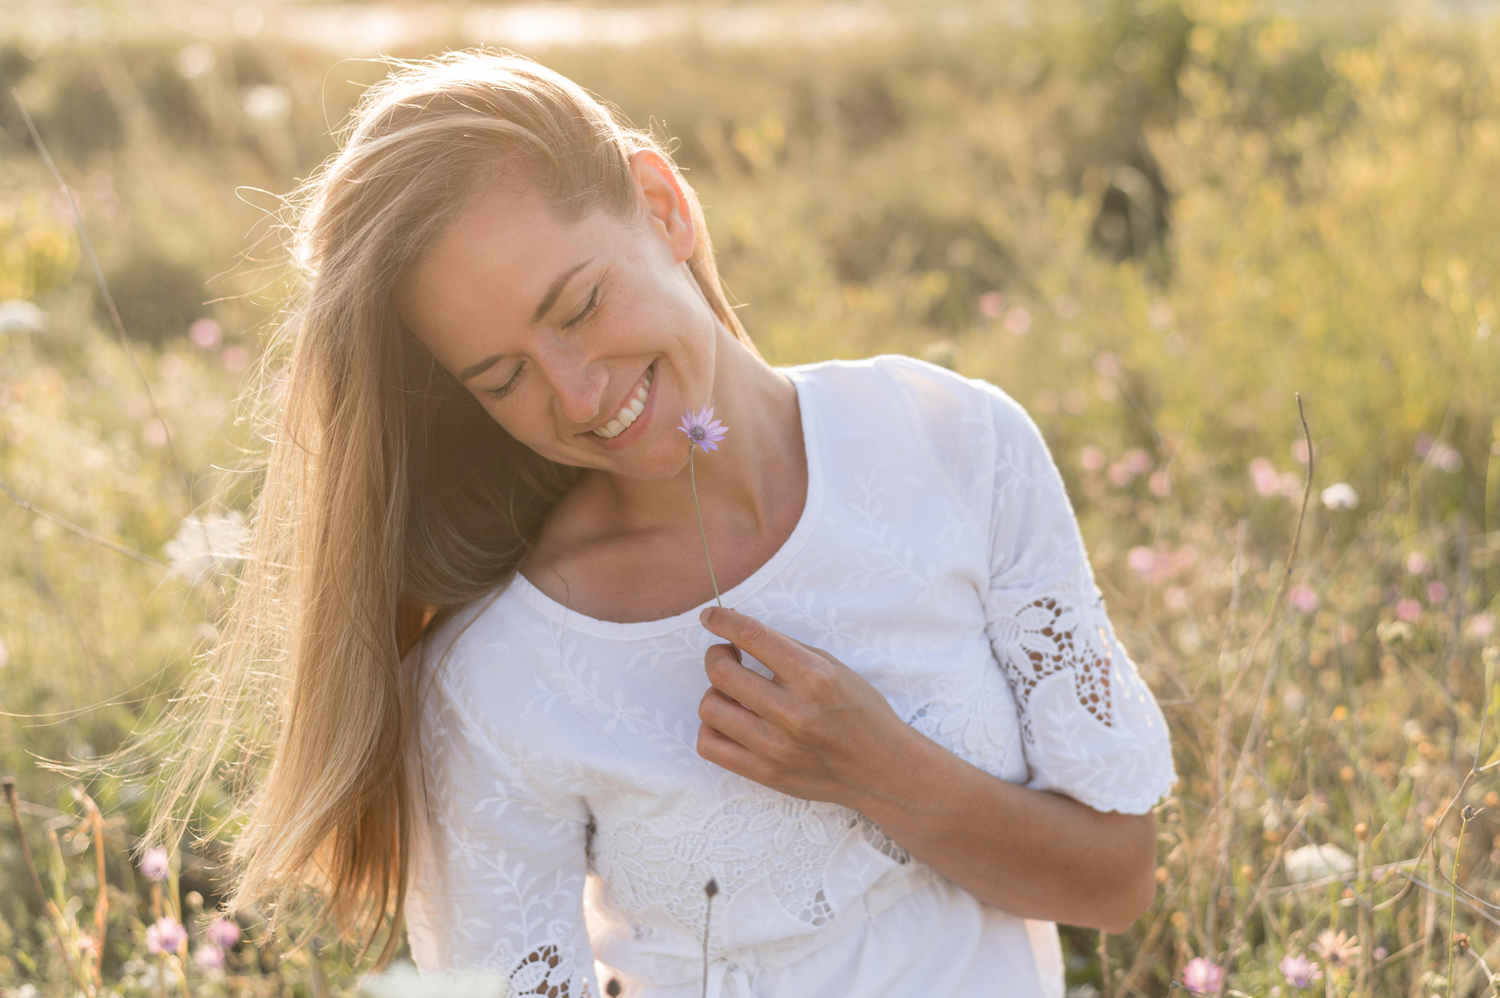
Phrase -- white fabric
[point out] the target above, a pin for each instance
(570, 818)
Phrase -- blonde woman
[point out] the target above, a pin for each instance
(511, 709)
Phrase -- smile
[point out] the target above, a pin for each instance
(629, 413)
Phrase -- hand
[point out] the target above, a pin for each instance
(817, 731)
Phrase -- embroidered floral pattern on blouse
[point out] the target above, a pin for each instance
(1049, 635)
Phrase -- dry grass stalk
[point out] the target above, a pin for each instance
(95, 822)
(12, 800)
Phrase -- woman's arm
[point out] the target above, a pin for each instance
(819, 731)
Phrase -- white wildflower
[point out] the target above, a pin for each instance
(401, 980)
(20, 316)
(266, 103)
(1340, 495)
(1314, 862)
(205, 545)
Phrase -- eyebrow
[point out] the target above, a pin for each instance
(548, 300)
(556, 289)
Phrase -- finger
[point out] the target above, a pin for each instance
(816, 651)
(765, 697)
(779, 653)
(735, 720)
(723, 751)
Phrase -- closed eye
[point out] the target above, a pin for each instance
(509, 386)
(588, 308)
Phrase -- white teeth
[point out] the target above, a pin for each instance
(627, 415)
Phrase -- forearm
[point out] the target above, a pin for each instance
(1028, 852)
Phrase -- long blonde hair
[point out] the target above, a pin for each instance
(391, 499)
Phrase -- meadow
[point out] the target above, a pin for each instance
(1171, 229)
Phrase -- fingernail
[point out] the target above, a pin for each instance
(703, 617)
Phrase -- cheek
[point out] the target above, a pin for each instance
(520, 415)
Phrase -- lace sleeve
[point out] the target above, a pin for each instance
(499, 868)
(1090, 726)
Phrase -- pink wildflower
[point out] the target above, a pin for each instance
(1417, 563)
(1338, 948)
(1263, 473)
(1305, 598)
(1409, 610)
(155, 865)
(208, 957)
(165, 936)
(205, 333)
(1132, 463)
(1481, 625)
(1202, 976)
(1299, 971)
(701, 431)
(223, 932)
(1437, 592)
(1141, 560)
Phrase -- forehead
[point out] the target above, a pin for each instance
(493, 264)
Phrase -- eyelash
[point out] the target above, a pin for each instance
(588, 309)
(509, 386)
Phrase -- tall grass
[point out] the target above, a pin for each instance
(1154, 224)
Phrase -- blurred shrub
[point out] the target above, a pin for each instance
(158, 298)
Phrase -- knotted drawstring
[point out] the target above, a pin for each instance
(711, 888)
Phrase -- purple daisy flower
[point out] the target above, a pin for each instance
(702, 429)
(1202, 977)
(155, 864)
(1298, 970)
(165, 936)
(223, 932)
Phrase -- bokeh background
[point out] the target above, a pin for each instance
(1153, 222)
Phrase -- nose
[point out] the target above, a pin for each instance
(578, 382)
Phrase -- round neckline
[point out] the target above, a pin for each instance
(573, 620)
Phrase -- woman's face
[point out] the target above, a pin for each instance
(585, 342)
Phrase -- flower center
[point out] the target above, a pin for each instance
(697, 433)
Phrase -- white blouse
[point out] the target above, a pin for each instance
(571, 826)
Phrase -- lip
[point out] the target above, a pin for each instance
(635, 429)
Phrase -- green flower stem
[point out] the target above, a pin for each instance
(693, 479)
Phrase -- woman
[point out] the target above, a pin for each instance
(906, 744)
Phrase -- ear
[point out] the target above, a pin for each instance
(668, 211)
